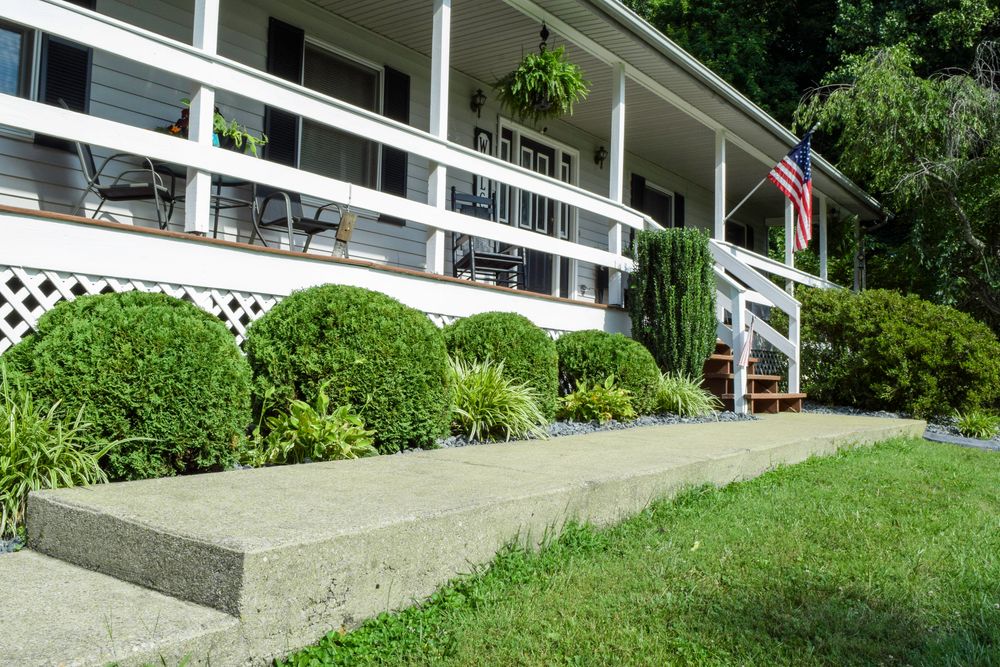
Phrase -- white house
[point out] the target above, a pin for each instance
(382, 108)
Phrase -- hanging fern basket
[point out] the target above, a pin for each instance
(543, 86)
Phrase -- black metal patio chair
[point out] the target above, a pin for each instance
(477, 258)
(152, 186)
(276, 209)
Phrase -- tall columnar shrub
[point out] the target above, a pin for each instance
(591, 356)
(672, 298)
(156, 372)
(527, 353)
(882, 350)
(369, 350)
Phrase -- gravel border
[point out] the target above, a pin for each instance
(11, 545)
(942, 428)
(564, 428)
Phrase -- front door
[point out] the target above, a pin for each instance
(537, 214)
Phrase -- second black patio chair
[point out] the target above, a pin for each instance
(136, 184)
(477, 258)
(276, 209)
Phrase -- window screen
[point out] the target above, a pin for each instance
(327, 151)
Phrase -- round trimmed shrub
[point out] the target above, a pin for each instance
(882, 350)
(527, 352)
(385, 359)
(593, 355)
(145, 366)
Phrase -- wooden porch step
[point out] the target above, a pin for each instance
(769, 403)
(722, 383)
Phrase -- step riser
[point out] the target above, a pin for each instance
(723, 363)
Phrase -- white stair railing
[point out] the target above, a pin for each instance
(738, 282)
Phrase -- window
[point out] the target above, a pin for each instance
(16, 55)
(323, 149)
(659, 205)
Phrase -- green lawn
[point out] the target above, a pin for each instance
(879, 556)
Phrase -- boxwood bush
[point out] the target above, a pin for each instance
(372, 352)
(527, 353)
(591, 356)
(882, 350)
(146, 366)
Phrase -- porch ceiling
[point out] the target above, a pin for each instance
(490, 36)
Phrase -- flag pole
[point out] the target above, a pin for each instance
(757, 187)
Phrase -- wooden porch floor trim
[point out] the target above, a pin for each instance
(376, 266)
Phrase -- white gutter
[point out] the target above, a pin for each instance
(632, 21)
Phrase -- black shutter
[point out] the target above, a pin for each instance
(285, 44)
(65, 74)
(749, 238)
(395, 105)
(678, 210)
(638, 192)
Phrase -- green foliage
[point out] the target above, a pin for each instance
(672, 300)
(977, 424)
(929, 146)
(40, 449)
(527, 353)
(881, 350)
(592, 355)
(544, 85)
(600, 402)
(313, 433)
(683, 395)
(489, 405)
(157, 374)
(385, 359)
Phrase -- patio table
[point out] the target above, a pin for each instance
(220, 202)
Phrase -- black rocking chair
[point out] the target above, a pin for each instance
(286, 213)
(482, 259)
(150, 186)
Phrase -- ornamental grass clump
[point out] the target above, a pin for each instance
(591, 356)
(158, 375)
(683, 395)
(40, 449)
(525, 352)
(600, 402)
(489, 405)
(977, 424)
(384, 359)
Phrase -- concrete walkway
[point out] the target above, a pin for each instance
(244, 566)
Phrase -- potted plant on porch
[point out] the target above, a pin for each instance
(228, 134)
(544, 84)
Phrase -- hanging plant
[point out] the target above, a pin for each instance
(544, 85)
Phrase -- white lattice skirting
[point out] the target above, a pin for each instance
(26, 294)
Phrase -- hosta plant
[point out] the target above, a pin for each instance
(40, 449)
(681, 394)
(977, 424)
(311, 433)
(489, 405)
(544, 85)
(600, 402)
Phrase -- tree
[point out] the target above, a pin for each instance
(929, 146)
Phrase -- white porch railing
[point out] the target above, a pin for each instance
(97, 31)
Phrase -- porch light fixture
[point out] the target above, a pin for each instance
(600, 155)
(477, 102)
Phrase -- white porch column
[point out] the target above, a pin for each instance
(616, 178)
(822, 238)
(789, 242)
(719, 233)
(436, 183)
(198, 191)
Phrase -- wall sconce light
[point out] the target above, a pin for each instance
(600, 155)
(477, 102)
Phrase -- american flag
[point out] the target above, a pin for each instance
(793, 176)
